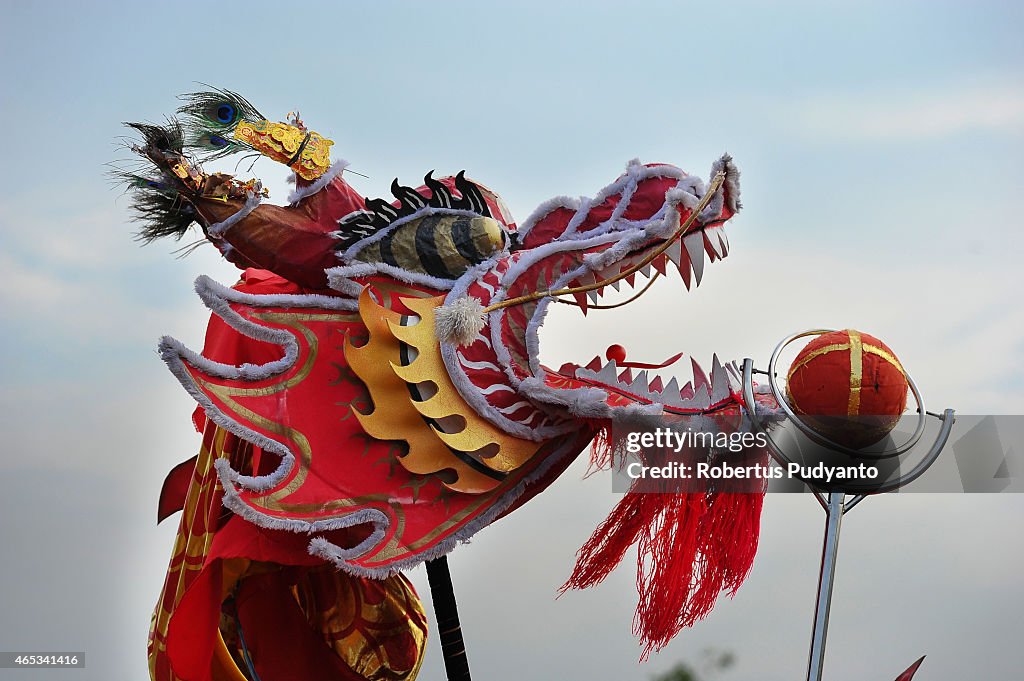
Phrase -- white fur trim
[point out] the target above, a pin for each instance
(217, 229)
(300, 193)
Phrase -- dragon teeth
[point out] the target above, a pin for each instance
(670, 394)
(700, 400)
(684, 272)
(609, 373)
(594, 364)
(695, 248)
(655, 385)
(735, 376)
(713, 237)
(719, 382)
(593, 294)
(674, 252)
(639, 384)
(700, 378)
(646, 270)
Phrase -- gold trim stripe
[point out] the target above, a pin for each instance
(856, 372)
(817, 353)
(887, 356)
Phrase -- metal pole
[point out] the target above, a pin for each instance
(833, 518)
(446, 611)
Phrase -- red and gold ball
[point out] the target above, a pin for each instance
(848, 386)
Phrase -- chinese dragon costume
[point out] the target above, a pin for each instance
(371, 394)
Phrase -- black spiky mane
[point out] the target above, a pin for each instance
(380, 214)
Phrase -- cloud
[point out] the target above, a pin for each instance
(909, 114)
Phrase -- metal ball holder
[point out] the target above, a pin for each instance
(833, 498)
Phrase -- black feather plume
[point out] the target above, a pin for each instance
(158, 196)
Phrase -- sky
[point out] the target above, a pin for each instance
(879, 144)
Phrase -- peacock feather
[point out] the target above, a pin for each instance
(210, 119)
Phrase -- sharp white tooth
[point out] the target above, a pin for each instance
(608, 272)
(719, 382)
(592, 294)
(700, 400)
(695, 248)
(670, 395)
(615, 284)
(710, 252)
(725, 240)
(639, 384)
(674, 251)
(714, 238)
(586, 278)
(609, 373)
(699, 377)
(735, 376)
(646, 270)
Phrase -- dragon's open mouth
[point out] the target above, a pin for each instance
(632, 382)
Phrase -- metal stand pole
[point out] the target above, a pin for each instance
(833, 518)
(446, 611)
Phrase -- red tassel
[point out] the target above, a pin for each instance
(602, 453)
(620, 530)
(692, 547)
(668, 560)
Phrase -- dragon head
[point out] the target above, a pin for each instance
(650, 218)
